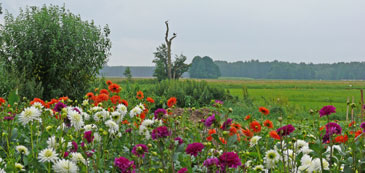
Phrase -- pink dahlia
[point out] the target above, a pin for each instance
(139, 150)
(229, 159)
(194, 148)
(124, 165)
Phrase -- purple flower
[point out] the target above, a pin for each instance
(65, 154)
(88, 136)
(226, 124)
(59, 106)
(74, 146)
(285, 130)
(211, 162)
(77, 110)
(327, 110)
(124, 165)
(160, 132)
(139, 150)
(333, 128)
(179, 139)
(183, 170)
(363, 126)
(128, 130)
(229, 159)
(217, 103)
(209, 121)
(194, 148)
(9, 118)
(159, 113)
(90, 153)
(326, 138)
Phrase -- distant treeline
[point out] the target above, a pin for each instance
(285, 70)
(264, 70)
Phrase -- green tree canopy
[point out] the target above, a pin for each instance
(204, 68)
(55, 49)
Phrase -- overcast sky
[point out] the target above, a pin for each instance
(318, 31)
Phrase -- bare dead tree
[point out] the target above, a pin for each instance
(168, 44)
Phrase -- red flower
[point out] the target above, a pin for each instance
(171, 102)
(108, 82)
(37, 100)
(352, 123)
(102, 97)
(223, 140)
(264, 110)
(115, 99)
(114, 88)
(232, 131)
(247, 117)
(149, 99)
(341, 139)
(2, 101)
(247, 132)
(140, 95)
(212, 131)
(209, 138)
(90, 95)
(268, 124)
(63, 98)
(124, 102)
(104, 91)
(236, 125)
(274, 135)
(255, 126)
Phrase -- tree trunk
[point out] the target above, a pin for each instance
(168, 44)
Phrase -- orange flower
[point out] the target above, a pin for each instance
(102, 97)
(352, 123)
(236, 125)
(125, 122)
(2, 101)
(90, 95)
(114, 88)
(232, 131)
(357, 133)
(212, 131)
(247, 132)
(255, 126)
(104, 91)
(268, 124)
(274, 135)
(264, 110)
(247, 117)
(124, 102)
(108, 82)
(171, 102)
(63, 98)
(320, 129)
(223, 140)
(37, 100)
(140, 95)
(142, 116)
(96, 89)
(341, 139)
(115, 99)
(149, 99)
(209, 138)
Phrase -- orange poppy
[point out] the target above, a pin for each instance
(341, 139)
(114, 88)
(142, 116)
(140, 95)
(171, 102)
(102, 97)
(357, 133)
(236, 125)
(274, 135)
(37, 100)
(247, 117)
(125, 122)
(63, 99)
(96, 89)
(232, 131)
(255, 126)
(124, 102)
(115, 99)
(223, 140)
(108, 82)
(247, 132)
(209, 138)
(320, 129)
(268, 124)
(104, 91)
(212, 131)
(2, 101)
(264, 110)
(90, 95)
(149, 99)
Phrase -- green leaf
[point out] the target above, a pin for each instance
(13, 97)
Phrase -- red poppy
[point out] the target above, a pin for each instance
(63, 99)
(2, 101)
(115, 99)
(255, 126)
(149, 99)
(236, 125)
(232, 131)
(209, 138)
(247, 117)
(223, 140)
(274, 135)
(171, 102)
(264, 110)
(104, 91)
(357, 133)
(212, 131)
(142, 116)
(247, 132)
(114, 88)
(125, 122)
(352, 123)
(108, 82)
(38, 100)
(320, 129)
(140, 95)
(268, 124)
(90, 95)
(341, 139)
(102, 97)
(124, 102)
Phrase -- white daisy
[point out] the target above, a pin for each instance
(76, 119)
(116, 116)
(22, 149)
(135, 111)
(316, 165)
(65, 166)
(306, 161)
(122, 109)
(254, 140)
(53, 142)
(101, 115)
(19, 167)
(85, 102)
(299, 144)
(147, 122)
(271, 157)
(86, 116)
(2, 170)
(48, 155)
(90, 127)
(337, 147)
(38, 105)
(29, 114)
(96, 108)
(97, 137)
(306, 150)
(259, 168)
(141, 106)
(113, 127)
(77, 157)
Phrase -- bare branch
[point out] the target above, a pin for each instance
(167, 31)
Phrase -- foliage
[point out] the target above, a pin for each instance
(204, 68)
(127, 73)
(285, 70)
(161, 61)
(54, 50)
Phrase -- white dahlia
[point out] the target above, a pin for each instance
(48, 155)
(65, 166)
(29, 114)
